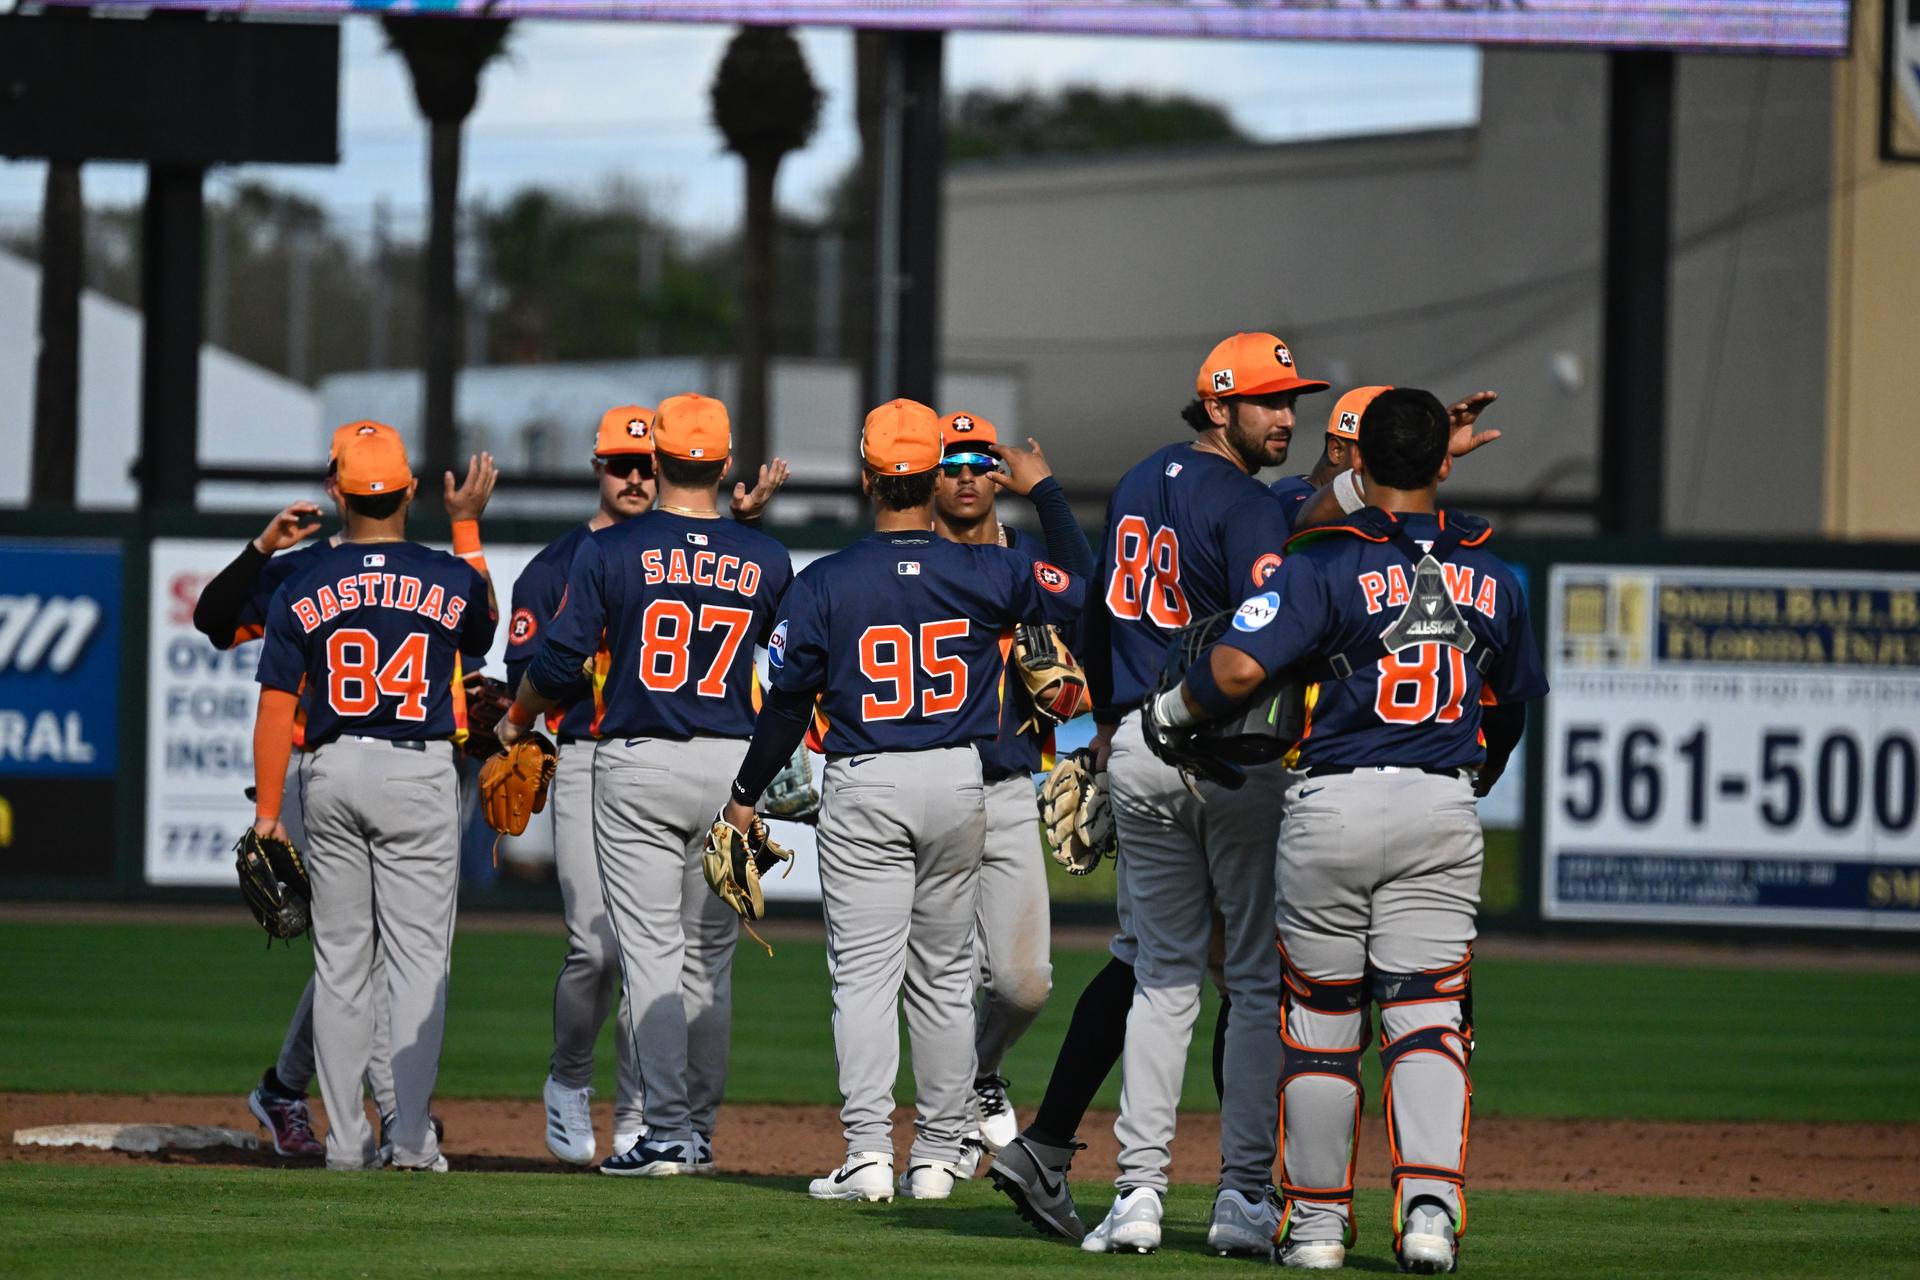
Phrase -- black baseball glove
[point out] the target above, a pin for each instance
(273, 881)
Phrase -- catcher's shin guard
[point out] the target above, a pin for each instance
(1426, 1043)
(1323, 1031)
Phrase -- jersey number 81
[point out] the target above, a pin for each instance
(1408, 691)
(1146, 575)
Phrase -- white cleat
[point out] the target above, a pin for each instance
(703, 1155)
(928, 1180)
(1427, 1243)
(649, 1159)
(1243, 1224)
(569, 1122)
(867, 1175)
(972, 1151)
(1311, 1255)
(998, 1126)
(1131, 1226)
(624, 1142)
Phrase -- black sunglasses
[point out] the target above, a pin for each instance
(954, 464)
(627, 464)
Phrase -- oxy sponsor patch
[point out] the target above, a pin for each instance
(1257, 612)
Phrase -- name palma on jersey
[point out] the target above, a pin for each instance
(377, 590)
(1391, 587)
(702, 569)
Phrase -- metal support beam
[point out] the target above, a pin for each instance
(56, 382)
(170, 293)
(1633, 397)
(908, 199)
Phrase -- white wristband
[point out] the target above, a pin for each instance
(1346, 491)
(1172, 710)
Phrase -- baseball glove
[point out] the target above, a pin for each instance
(791, 795)
(273, 881)
(487, 701)
(734, 863)
(1074, 807)
(1193, 753)
(1055, 686)
(514, 782)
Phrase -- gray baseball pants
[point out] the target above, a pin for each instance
(901, 837)
(1379, 870)
(653, 801)
(384, 855)
(584, 992)
(294, 1067)
(1182, 858)
(1012, 935)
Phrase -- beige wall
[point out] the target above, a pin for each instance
(1873, 447)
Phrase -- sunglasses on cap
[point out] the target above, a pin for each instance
(954, 463)
(626, 465)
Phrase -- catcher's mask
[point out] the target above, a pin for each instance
(1266, 728)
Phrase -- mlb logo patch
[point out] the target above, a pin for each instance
(696, 453)
(375, 486)
(1173, 469)
(1223, 380)
(373, 562)
(364, 431)
(907, 568)
(1283, 355)
(1050, 577)
(697, 539)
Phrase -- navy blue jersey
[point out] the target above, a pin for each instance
(253, 615)
(537, 594)
(376, 632)
(1010, 751)
(1420, 706)
(902, 635)
(1188, 534)
(679, 603)
(1293, 492)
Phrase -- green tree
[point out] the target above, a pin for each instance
(985, 124)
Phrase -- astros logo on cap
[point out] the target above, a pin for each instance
(1283, 355)
(636, 428)
(963, 424)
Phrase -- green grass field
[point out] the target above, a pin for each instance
(182, 1009)
(201, 1009)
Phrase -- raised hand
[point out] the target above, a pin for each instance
(301, 520)
(467, 500)
(1462, 439)
(1020, 469)
(748, 505)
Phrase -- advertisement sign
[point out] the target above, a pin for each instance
(1733, 746)
(59, 705)
(1784, 26)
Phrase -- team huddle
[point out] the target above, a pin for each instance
(1297, 692)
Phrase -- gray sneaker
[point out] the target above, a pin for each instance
(1034, 1176)
(1427, 1245)
(1243, 1223)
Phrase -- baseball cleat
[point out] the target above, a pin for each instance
(972, 1151)
(383, 1149)
(867, 1175)
(650, 1159)
(1131, 1226)
(287, 1120)
(570, 1122)
(1243, 1223)
(998, 1125)
(624, 1140)
(1034, 1176)
(1311, 1255)
(928, 1180)
(1427, 1245)
(703, 1154)
(436, 1165)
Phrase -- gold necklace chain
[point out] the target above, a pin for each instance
(688, 511)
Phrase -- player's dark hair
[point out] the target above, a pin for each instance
(1195, 415)
(1403, 438)
(903, 493)
(375, 506)
(333, 467)
(688, 474)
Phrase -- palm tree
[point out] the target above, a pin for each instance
(766, 103)
(445, 57)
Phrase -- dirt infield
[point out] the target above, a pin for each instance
(1861, 1163)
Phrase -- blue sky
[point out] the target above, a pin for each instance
(577, 104)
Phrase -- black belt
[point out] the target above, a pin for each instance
(403, 744)
(1339, 770)
(566, 739)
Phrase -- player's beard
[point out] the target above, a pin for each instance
(1249, 445)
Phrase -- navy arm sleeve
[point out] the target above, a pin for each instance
(574, 634)
(216, 614)
(1066, 545)
(781, 726)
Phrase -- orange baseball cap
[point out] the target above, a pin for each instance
(1252, 364)
(694, 427)
(966, 432)
(365, 427)
(373, 462)
(1344, 421)
(627, 428)
(901, 438)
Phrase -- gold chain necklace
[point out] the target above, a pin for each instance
(688, 511)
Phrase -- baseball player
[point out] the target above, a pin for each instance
(1012, 941)
(230, 611)
(376, 627)
(1424, 655)
(1336, 454)
(1332, 489)
(676, 600)
(1189, 530)
(898, 638)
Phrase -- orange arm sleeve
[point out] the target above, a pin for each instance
(272, 748)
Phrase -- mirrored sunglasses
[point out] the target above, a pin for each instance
(954, 463)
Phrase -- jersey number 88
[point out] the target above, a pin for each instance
(1146, 575)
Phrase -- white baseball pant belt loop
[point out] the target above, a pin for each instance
(584, 991)
(1181, 858)
(653, 801)
(384, 857)
(901, 837)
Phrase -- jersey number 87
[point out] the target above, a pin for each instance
(666, 636)
(1146, 575)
